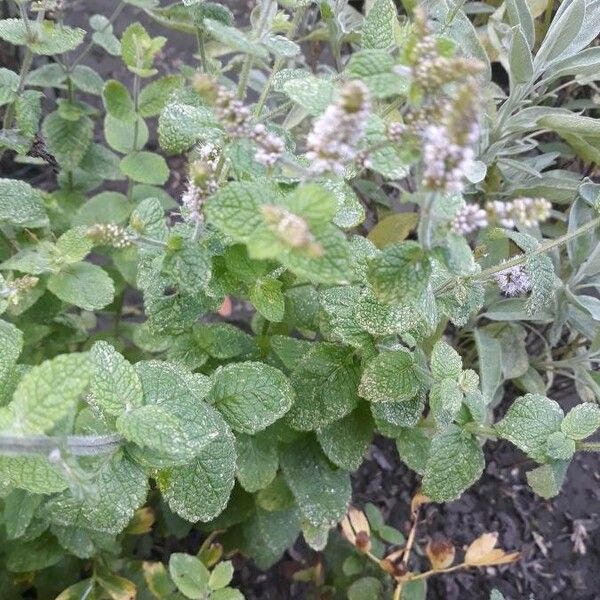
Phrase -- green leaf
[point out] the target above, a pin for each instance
(376, 69)
(379, 24)
(145, 167)
(559, 446)
(345, 442)
(19, 510)
(33, 555)
(105, 207)
(120, 135)
(190, 575)
(181, 125)
(325, 381)
(541, 273)
(155, 95)
(49, 391)
(268, 299)
(581, 421)
(321, 491)
(445, 361)
(48, 37)
(87, 80)
(233, 38)
(391, 377)
(519, 15)
(413, 448)
(9, 83)
(138, 49)
(392, 229)
(174, 424)
(221, 576)
(401, 271)
(118, 101)
(546, 480)
(365, 588)
(312, 93)
(11, 342)
(83, 284)
(67, 140)
(520, 60)
(223, 340)
(251, 395)
(200, 490)
(21, 205)
(73, 245)
(445, 399)
(455, 463)
(114, 383)
(489, 351)
(32, 473)
(350, 212)
(257, 460)
(529, 422)
(121, 489)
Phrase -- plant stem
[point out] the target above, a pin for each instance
(136, 129)
(202, 49)
(588, 446)
(76, 445)
(521, 258)
(244, 76)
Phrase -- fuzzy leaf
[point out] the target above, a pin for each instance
(390, 377)
(21, 205)
(529, 422)
(83, 284)
(581, 421)
(445, 361)
(50, 391)
(455, 463)
(379, 25)
(257, 460)
(68, 140)
(322, 492)
(145, 167)
(445, 399)
(251, 395)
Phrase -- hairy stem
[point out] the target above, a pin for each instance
(76, 445)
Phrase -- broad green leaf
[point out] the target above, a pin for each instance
(321, 491)
(519, 15)
(345, 442)
(541, 274)
(233, 38)
(529, 422)
(114, 383)
(314, 94)
(257, 460)
(67, 140)
(546, 480)
(391, 377)
(401, 271)
(49, 38)
(181, 125)
(117, 101)
(376, 69)
(269, 534)
(138, 49)
(365, 588)
(445, 399)
(105, 207)
(174, 424)
(581, 421)
(325, 381)
(190, 575)
(221, 575)
(413, 446)
(390, 416)
(156, 94)
(21, 205)
(199, 491)
(120, 135)
(9, 82)
(489, 351)
(520, 60)
(32, 473)
(87, 80)
(19, 510)
(223, 340)
(445, 361)
(559, 446)
(83, 284)
(73, 245)
(145, 167)
(350, 212)
(251, 395)
(121, 488)
(99, 161)
(50, 391)
(379, 25)
(455, 463)
(11, 342)
(33, 555)
(268, 299)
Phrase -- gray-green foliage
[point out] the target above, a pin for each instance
(226, 358)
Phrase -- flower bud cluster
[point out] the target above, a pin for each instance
(448, 152)
(109, 234)
(333, 141)
(469, 219)
(270, 146)
(520, 211)
(202, 183)
(13, 289)
(291, 229)
(513, 281)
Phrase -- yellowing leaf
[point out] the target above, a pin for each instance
(482, 552)
(393, 228)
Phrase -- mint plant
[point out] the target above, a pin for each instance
(410, 248)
